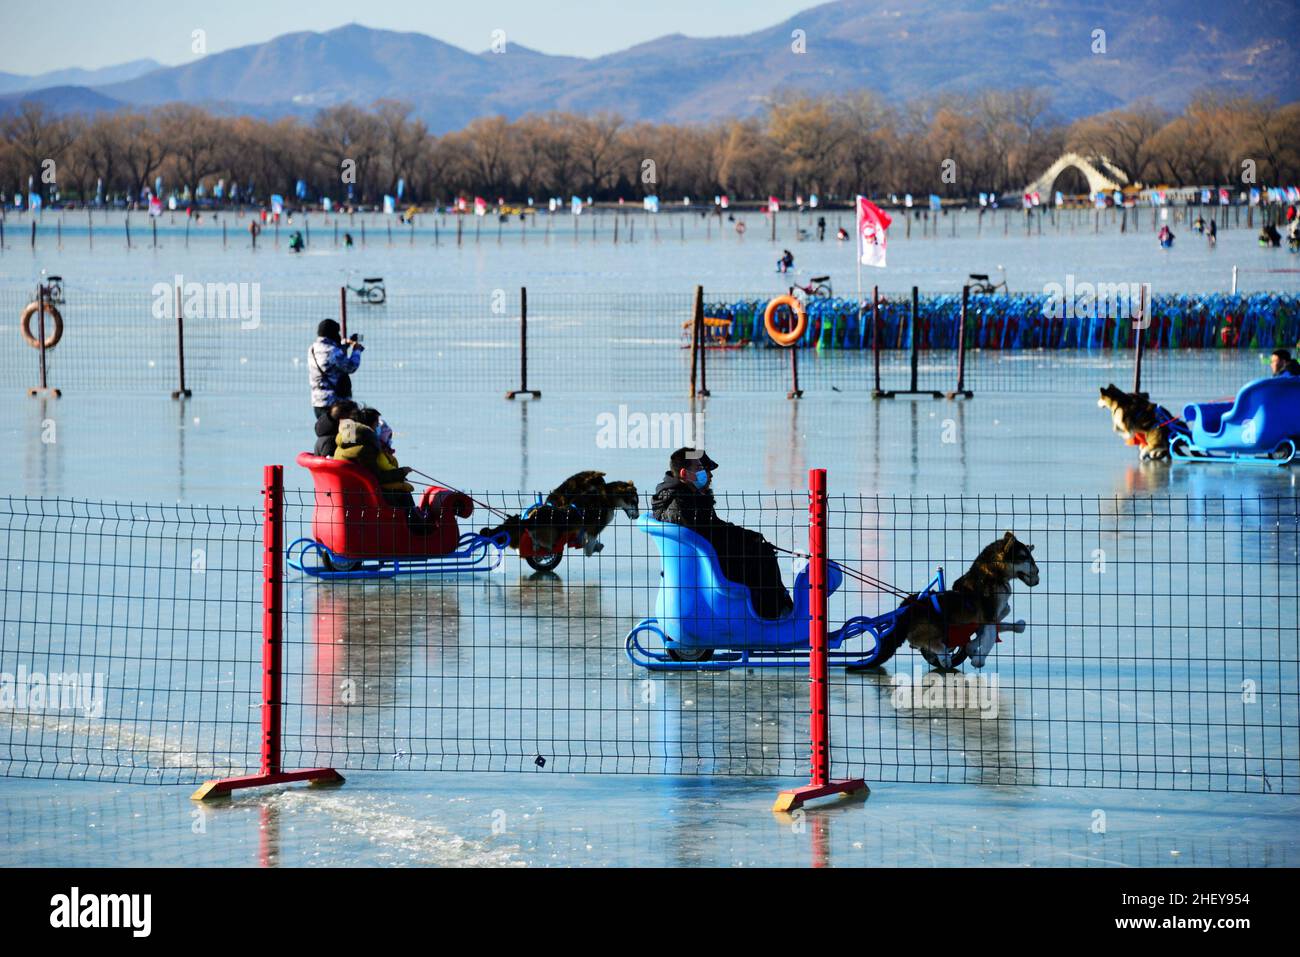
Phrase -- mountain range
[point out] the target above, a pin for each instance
(1165, 51)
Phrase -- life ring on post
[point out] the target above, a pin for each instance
(800, 320)
(25, 324)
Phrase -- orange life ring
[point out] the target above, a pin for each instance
(800, 320)
(25, 324)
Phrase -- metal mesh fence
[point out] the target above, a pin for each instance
(239, 339)
(1160, 650)
(130, 640)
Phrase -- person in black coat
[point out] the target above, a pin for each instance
(745, 557)
(327, 426)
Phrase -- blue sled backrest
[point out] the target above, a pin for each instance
(1266, 411)
(698, 606)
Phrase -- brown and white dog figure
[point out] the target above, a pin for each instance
(970, 613)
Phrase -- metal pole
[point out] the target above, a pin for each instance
(916, 355)
(1234, 280)
(182, 392)
(523, 349)
(961, 347)
(795, 392)
(343, 312)
(272, 612)
(40, 299)
(696, 309)
(875, 335)
(1140, 342)
(703, 340)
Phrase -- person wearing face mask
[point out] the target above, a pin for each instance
(684, 497)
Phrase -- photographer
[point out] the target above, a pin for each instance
(330, 364)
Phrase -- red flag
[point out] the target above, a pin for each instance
(872, 224)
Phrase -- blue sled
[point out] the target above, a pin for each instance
(1262, 427)
(706, 623)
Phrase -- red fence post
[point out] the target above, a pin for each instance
(272, 613)
(821, 784)
(272, 652)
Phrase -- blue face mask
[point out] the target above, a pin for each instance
(701, 478)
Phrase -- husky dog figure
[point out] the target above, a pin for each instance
(582, 505)
(968, 619)
(1141, 422)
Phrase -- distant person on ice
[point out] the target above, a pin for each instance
(330, 365)
(745, 557)
(786, 262)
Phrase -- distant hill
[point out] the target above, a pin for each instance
(1164, 50)
(13, 83)
(61, 99)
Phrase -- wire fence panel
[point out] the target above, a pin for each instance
(241, 339)
(129, 650)
(1160, 648)
(526, 670)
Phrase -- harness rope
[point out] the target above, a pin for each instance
(442, 484)
(857, 575)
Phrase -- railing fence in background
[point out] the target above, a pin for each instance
(1160, 652)
(230, 337)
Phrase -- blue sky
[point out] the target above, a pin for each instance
(95, 33)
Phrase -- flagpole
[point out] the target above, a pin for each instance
(857, 254)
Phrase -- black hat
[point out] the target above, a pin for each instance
(329, 329)
(688, 456)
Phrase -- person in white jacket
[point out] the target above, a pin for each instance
(330, 364)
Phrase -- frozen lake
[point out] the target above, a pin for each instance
(1123, 679)
(550, 255)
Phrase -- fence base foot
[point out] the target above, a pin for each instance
(961, 394)
(531, 392)
(895, 393)
(795, 394)
(182, 394)
(45, 393)
(215, 790)
(794, 798)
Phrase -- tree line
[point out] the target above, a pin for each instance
(835, 147)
